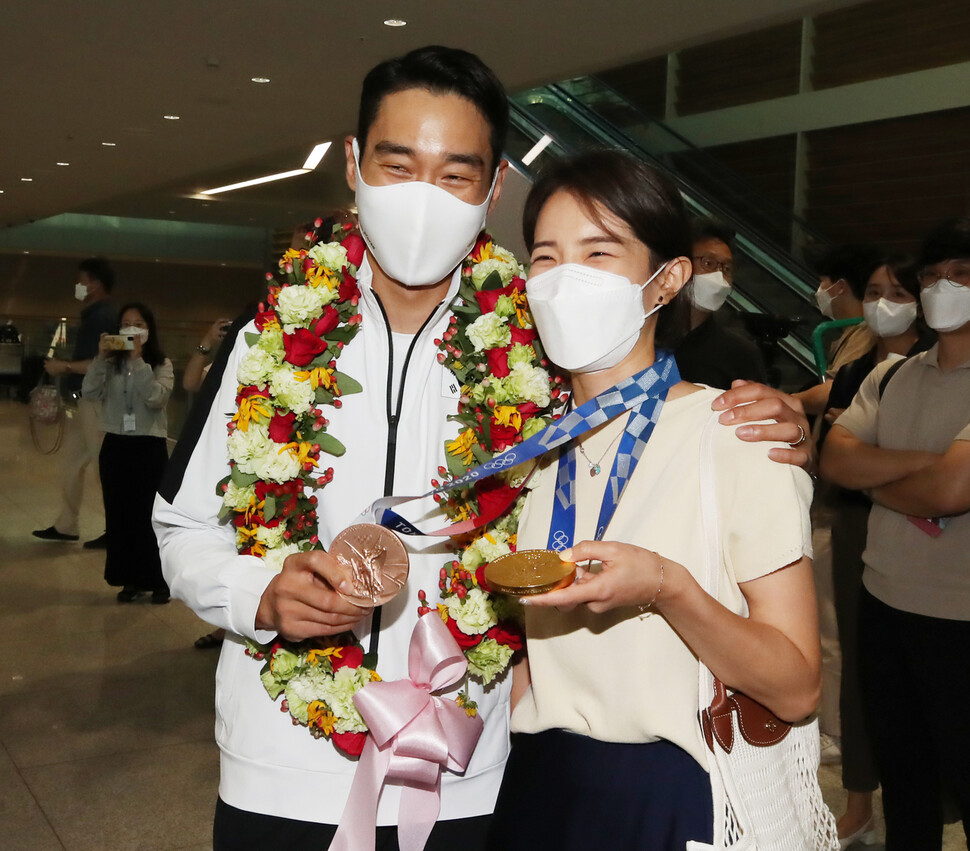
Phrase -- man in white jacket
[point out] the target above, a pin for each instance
(426, 166)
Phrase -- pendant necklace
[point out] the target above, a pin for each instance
(595, 469)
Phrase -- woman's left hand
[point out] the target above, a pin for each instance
(137, 347)
(630, 576)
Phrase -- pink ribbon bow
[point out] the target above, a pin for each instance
(413, 736)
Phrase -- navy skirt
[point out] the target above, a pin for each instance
(563, 791)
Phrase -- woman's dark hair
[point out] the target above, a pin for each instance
(99, 269)
(442, 71)
(949, 240)
(636, 194)
(151, 352)
(902, 267)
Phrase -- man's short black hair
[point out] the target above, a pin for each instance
(440, 70)
(949, 240)
(99, 269)
(850, 263)
(703, 227)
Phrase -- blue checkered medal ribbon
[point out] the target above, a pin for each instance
(643, 391)
(640, 425)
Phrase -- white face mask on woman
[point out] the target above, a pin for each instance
(135, 331)
(946, 305)
(417, 231)
(588, 319)
(889, 318)
(711, 290)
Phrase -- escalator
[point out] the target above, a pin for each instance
(773, 296)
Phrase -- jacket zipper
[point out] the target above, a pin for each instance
(393, 419)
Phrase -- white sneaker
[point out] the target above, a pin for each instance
(831, 751)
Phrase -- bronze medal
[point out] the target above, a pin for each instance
(529, 572)
(376, 562)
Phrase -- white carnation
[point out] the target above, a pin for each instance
(238, 498)
(270, 536)
(271, 341)
(256, 366)
(489, 331)
(274, 558)
(481, 550)
(330, 254)
(338, 693)
(275, 466)
(474, 613)
(290, 393)
(298, 304)
(481, 271)
(529, 383)
(246, 445)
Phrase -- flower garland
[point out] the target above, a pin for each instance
(279, 433)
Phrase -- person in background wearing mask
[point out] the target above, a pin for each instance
(610, 753)
(709, 353)
(426, 166)
(890, 307)
(134, 387)
(82, 430)
(843, 273)
(905, 439)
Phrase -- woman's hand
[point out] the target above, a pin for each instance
(630, 576)
(832, 414)
(215, 334)
(103, 347)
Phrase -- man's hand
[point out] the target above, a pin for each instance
(301, 601)
(748, 402)
(55, 367)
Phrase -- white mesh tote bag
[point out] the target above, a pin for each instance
(764, 771)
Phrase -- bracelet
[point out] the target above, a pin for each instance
(656, 594)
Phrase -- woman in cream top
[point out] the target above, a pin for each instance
(610, 752)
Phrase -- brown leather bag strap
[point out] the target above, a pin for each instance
(758, 725)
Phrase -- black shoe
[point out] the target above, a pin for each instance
(51, 534)
(127, 594)
(161, 597)
(99, 543)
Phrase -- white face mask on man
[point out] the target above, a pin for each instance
(417, 232)
(824, 299)
(711, 290)
(80, 291)
(588, 319)
(946, 305)
(889, 318)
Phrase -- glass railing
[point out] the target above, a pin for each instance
(773, 297)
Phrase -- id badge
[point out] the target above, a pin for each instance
(128, 423)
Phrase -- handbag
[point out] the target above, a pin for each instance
(45, 407)
(764, 771)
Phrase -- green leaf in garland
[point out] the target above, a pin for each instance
(481, 456)
(330, 444)
(241, 479)
(322, 396)
(343, 334)
(370, 661)
(454, 462)
(347, 384)
(269, 507)
(221, 484)
(252, 338)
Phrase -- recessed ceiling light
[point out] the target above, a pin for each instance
(171, 117)
(27, 179)
(1, 192)
(171, 212)
(63, 163)
(395, 22)
(259, 79)
(109, 144)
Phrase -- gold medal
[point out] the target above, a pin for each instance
(529, 572)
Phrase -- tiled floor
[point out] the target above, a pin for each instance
(105, 709)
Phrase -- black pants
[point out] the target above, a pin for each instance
(916, 681)
(237, 830)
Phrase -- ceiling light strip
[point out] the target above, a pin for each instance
(537, 149)
(256, 181)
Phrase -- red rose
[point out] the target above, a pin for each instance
(498, 361)
(487, 299)
(250, 391)
(517, 284)
(503, 436)
(263, 318)
(350, 743)
(528, 409)
(464, 641)
(302, 346)
(281, 427)
(522, 336)
(350, 657)
(480, 578)
(354, 243)
(348, 289)
(506, 633)
(326, 323)
(493, 495)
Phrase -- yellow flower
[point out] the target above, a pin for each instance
(318, 377)
(375, 677)
(443, 612)
(314, 656)
(251, 409)
(484, 253)
(519, 300)
(247, 537)
(320, 716)
(462, 446)
(300, 451)
(508, 415)
(321, 275)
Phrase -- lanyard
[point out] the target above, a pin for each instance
(642, 394)
(639, 427)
